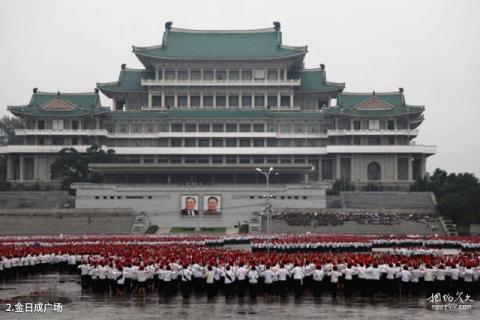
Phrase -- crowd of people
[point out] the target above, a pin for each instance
(361, 217)
(125, 265)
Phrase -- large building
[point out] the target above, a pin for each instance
(211, 106)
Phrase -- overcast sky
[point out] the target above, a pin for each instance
(430, 48)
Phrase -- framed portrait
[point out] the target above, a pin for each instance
(189, 205)
(212, 205)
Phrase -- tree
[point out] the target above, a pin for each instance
(72, 166)
(7, 129)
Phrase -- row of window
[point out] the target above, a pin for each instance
(282, 197)
(221, 101)
(221, 75)
(120, 197)
(229, 159)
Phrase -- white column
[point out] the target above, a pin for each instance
(278, 100)
(214, 95)
(409, 167)
(156, 73)
(149, 99)
(265, 100)
(227, 99)
(163, 74)
(201, 99)
(163, 99)
(175, 101)
(189, 97)
(253, 100)
(114, 108)
(22, 168)
(291, 100)
(176, 74)
(278, 75)
(337, 167)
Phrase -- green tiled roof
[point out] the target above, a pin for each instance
(129, 80)
(216, 114)
(199, 44)
(83, 103)
(315, 80)
(347, 104)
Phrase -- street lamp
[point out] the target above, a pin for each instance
(268, 207)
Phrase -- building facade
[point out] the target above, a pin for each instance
(211, 106)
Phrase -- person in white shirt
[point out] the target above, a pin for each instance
(268, 276)
(186, 281)
(348, 273)
(417, 274)
(283, 275)
(241, 276)
(317, 279)
(210, 282)
(229, 280)
(334, 276)
(168, 282)
(298, 274)
(405, 275)
(253, 281)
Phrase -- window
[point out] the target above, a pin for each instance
(182, 75)
(233, 101)
(375, 141)
(217, 159)
(204, 127)
(169, 101)
(258, 143)
(245, 127)
(373, 171)
(177, 127)
(285, 101)
(203, 143)
(391, 141)
(231, 127)
(272, 75)
(246, 101)
(207, 75)
(119, 105)
(391, 125)
(374, 124)
(259, 101)
(217, 143)
(327, 169)
(221, 101)
(57, 124)
(182, 101)
(231, 142)
(208, 101)
(217, 127)
(170, 74)
(176, 142)
(402, 168)
(246, 75)
(272, 101)
(259, 74)
(221, 75)
(195, 75)
(357, 140)
(190, 143)
(190, 127)
(357, 125)
(74, 141)
(244, 143)
(41, 124)
(233, 75)
(258, 127)
(244, 159)
(231, 159)
(74, 125)
(195, 101)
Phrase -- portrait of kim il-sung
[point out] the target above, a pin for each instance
(212, 205)
(189, 205)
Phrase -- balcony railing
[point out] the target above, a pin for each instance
(405, 132)
(64, 132)
(215, 82)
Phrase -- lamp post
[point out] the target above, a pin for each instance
(267, 174)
